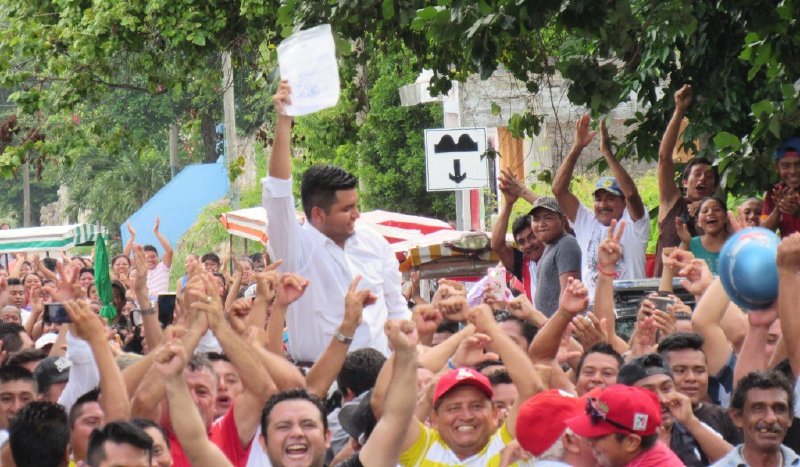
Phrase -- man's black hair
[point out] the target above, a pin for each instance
(39, 435)
(761, 380)
(681, 341)
(9, 335)
(487, 363)
(77, 408)
(210, 256)
(520, 223)
(50, 263)
(217, 357)
(288, 395)
(26, 356)
(258, 256)
(600, 347)
(150, 248)
(119, 433)
(360, 370)
(688, 169)
(145, 423)
(447, 326)
(89, 270)
(320, 184)
(500, 377)
(14, 281)
(9, 373)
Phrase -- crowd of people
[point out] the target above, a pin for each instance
(317, 354)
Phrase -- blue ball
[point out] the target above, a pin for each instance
(748, 268)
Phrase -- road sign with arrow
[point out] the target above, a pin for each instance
(453, 159)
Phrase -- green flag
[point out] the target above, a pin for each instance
(102, 279)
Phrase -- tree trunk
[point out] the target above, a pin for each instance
(173, 148)
(26, 195)
(209, 134)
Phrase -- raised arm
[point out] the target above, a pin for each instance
(569, 202)
(753, 357)
(789, 296)
(706, 321)
(170, 362)
(384, 446)
(150, 323)
(257, 382)
(499, 246)
(131, 241)
(167, 257)
(668, 190)
(280, 163)
(90, 327)
(574, 301)
(609, 253)
(325, 369)
(633, 201)
(521, 369)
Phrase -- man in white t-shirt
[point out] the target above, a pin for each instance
(615, 198)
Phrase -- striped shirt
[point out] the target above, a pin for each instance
(157, 281)
(431, 451)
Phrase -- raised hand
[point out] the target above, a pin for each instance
(683, 97)
(471, 351)
(170, 359)
(454, 308)
(427, 318)
(582, 134)
(401, 335)
(290, 287)
(354, 303)
(697, 277)
(155, 226)
(610, 249)
(575, 297)
(482, 317)
(605, 140)
(131, 230)
(511, 186)
(680, 406)
(141, 267)
(66, 288)
(522, 308)
(86, 324)
(282, 97)
(683, 232)
(588, 330)
(789, 253)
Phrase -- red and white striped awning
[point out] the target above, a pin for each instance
(251, 223)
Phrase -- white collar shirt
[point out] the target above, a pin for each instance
(315, 317)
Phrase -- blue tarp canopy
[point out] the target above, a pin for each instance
(178, 204)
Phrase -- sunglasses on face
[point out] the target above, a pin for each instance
(596, 416)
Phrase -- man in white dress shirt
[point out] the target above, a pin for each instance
(328, 250)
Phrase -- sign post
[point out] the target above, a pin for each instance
(453, 159)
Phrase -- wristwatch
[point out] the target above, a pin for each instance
(342, 338)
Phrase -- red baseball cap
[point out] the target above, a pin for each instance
(461, 376)
(619, 409)
(541, 420)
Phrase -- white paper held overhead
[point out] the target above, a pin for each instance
(307, 60)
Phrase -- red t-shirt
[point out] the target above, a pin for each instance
(657, 456)
(788, 224)
(224, 434)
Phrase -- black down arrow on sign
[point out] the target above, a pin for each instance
(457, 176)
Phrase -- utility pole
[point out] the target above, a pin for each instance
(230, 120)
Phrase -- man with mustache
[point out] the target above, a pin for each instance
(700, 179)
(615, 198)
(763, 407)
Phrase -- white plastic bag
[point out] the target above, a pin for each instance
(307, 59)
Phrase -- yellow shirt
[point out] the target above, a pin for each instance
(430, 451)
